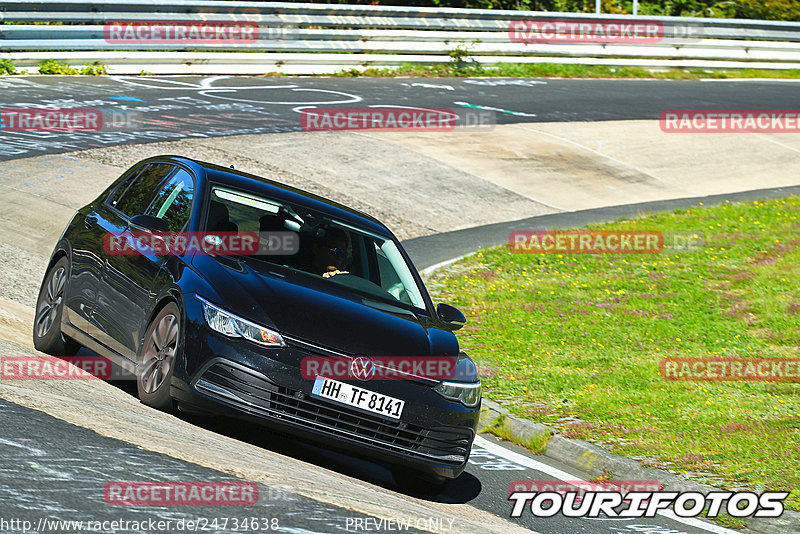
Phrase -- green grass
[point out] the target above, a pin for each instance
(557, 70)
(575, 341)
(498, 428)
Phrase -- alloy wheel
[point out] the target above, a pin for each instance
(49, 305)
(159, 353)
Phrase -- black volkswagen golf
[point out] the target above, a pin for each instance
(227, 334)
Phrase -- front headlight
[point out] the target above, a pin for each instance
(467, 394)
(232, 325)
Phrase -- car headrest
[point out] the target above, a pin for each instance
(218, 216)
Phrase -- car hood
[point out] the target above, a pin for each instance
(324, 313)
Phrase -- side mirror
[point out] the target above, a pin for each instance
(451, 316)
(151, 223)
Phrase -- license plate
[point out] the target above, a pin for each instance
(351, 395)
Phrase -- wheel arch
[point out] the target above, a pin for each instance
(172, 295)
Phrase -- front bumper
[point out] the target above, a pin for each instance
(237, 378)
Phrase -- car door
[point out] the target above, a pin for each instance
(122, 292)
(128, 285)
(87, 260)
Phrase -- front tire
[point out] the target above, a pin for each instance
(47, 336)
(157, 357)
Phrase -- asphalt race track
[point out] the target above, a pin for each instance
(47, 462)
(50, 468)
(147, 109)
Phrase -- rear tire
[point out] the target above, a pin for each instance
(412, 481)
(157, 356)
(47, 336)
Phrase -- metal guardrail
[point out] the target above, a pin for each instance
(313, 38)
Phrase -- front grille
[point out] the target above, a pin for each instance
(237, 385)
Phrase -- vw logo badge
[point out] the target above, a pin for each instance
(362, 368)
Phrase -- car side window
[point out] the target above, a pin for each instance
(115, 190)
(135, 196)
(173, 200)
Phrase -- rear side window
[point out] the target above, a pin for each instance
(173, 201)
(135, 195)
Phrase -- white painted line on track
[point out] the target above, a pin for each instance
(765, 138)
(435, 267)
(554, 472)
(760, 80)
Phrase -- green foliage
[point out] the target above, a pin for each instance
(463, 63)
(52, 66)
(559, 70)
(351, 72)
(768, 9)
(95, 68)
(750, 9)
(7, 67)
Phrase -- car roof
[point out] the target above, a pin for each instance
(258, 185)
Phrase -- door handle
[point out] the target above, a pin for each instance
(90, 221)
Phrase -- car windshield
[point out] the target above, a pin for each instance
(335, 251)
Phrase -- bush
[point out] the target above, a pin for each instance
(7, 67)
(52, 66)
(748, 9)
(768, 9)
(94, 69)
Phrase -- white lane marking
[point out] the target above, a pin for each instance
(430, 86)
(761, 80)
(207, 88)
(495, 83)
(530, 463)
(492, 462)
(348, 98)
(436, 266)
(765, 138)
(499, 110)
(615, 160)
(33, 451)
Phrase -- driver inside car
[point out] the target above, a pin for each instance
(331, 253)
